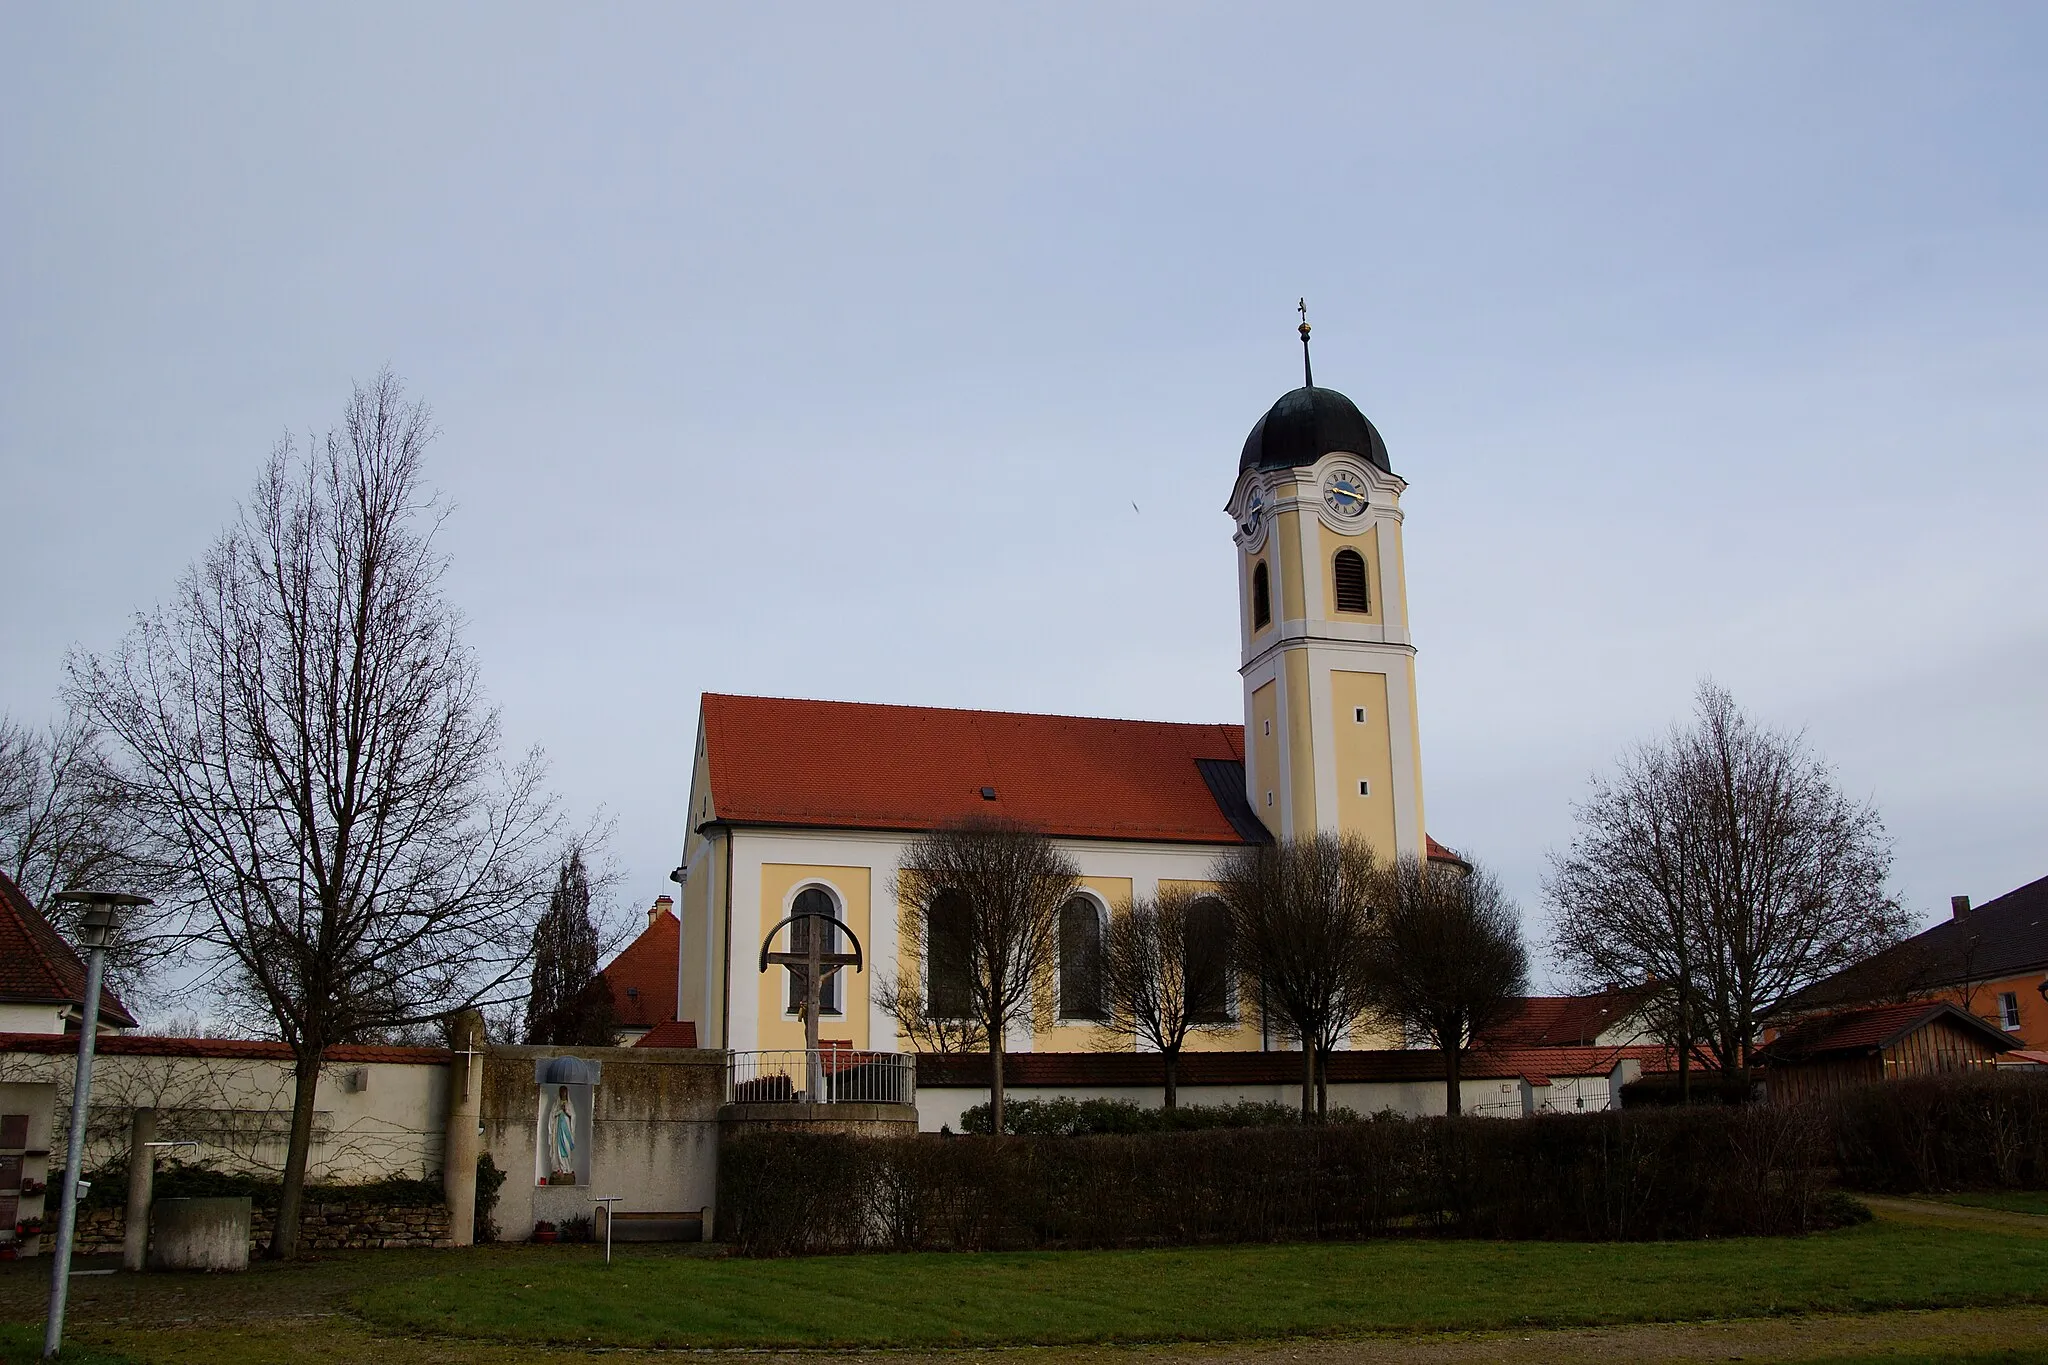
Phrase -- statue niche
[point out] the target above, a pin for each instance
(562, 1132)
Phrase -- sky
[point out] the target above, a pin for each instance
(905, 353)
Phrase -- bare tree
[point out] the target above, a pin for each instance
(1301, 919)
(1725, 867)
(1165, 975)
(569, 1003)
(978, 913)
(1449, 962)
(65, 822)
(304, 730)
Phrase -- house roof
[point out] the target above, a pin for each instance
(1875, 1028)
(1561, 1020)
(2000, 938)
(674, 1033)
(643, 976)
(1027, 1069)
(38, 967)
(228, 1049)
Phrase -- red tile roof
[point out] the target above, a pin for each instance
(674, 1033)
(643, 975)
(1867, 1030)
(1438, 853)
(1562, 1020)
(1027, 1069)
(230, 1049)
(776, 761)
(37, 966)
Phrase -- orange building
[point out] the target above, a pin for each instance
(1991, 960)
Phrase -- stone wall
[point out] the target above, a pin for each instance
(322, 1227)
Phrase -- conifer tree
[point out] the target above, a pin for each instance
(570, 1004)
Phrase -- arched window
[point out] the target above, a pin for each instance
(1208, 962)
(815, 900)
(1350, 575)
(1080, 960)
(1262, 597)
(949, 957)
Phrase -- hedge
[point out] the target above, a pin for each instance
(1937, 1133)
(1598, 1177)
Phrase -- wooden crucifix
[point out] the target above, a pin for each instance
(814, 966)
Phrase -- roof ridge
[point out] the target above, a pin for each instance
(972, 710)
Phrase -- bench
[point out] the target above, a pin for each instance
(680, 1226)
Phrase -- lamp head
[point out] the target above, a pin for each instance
(102, 912)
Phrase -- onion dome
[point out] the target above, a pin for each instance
(1306, 425)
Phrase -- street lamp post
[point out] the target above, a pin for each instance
(102, 914)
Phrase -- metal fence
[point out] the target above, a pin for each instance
(831, 1075)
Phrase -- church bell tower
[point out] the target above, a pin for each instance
(1331, 737)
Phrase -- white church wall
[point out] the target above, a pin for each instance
(944, 1106)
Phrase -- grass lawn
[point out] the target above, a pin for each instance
(21, 1343)
(2011, 1201)
(1221, 1293)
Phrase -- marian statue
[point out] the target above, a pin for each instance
(561, 1140)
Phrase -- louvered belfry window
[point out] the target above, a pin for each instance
(1262, 598)
(1350, 576)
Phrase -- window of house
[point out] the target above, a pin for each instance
(1262, 600)
(1081, 960)
(949, 956)
(1349, 571)
(1364, 787)
(1358, 714)
(2009, 1011)
(1208, 962)
(815, 900)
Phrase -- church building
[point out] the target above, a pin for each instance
(800, 805)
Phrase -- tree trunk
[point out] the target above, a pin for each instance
(995, 1082)
(284, 1239)
(1308, 1080)
(1322, 1085)
(1453, 1101)
(1684, 1046)
(1172, 1056)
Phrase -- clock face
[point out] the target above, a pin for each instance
(1254, 513)
(1345, 493)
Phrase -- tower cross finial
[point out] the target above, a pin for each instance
(1308, 375)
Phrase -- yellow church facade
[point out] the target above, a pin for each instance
(806, 806)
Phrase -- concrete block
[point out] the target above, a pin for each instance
(199, 1234)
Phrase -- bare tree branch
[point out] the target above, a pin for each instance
(1723, 868)
(304, 731)
(979, 907)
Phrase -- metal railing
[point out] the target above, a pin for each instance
(829, 1075)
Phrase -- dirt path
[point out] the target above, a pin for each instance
(1955, 1215)
(2022, 1330)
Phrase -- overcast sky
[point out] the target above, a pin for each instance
(824, 351)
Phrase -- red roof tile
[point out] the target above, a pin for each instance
(37, 966)
(1027, 1069)
(776, 761)
(1866, 1030)
(643, 975)
(674, 1033)
(230, 1049)
(1562, 1020)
